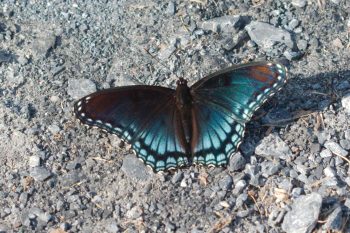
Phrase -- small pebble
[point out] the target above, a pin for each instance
(345, 143)
(347, 134)
(171, 8)
(226, 182)
(329, 172)
(334, 221)
(54, 129)
(183, 183)
(34, 161)
(237, 162)
(40, 173)
(302, 45)
(134, 212)
(292, 55)
(299, 3)
(177, 177)
(296, 192)
(293, 23)
(325, 153)
(335, 148)
(345, 101)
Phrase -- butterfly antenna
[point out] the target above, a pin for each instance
(155, 58)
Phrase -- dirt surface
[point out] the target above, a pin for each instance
(291, 174)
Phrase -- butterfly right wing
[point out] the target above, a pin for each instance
(224, 102)
(144, 116)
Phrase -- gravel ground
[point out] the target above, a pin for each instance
(290, 175)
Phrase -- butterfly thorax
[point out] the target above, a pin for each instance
(184, 107)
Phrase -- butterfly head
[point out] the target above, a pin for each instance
(181, 82)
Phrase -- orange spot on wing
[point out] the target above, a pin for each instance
(262, 74)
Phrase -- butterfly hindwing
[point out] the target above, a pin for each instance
(216, 134)
(143, 116)
(158, 144)
(224, 102)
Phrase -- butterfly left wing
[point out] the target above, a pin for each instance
(224, 102)
(143, 116)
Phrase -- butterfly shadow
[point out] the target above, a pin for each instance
(301, 98)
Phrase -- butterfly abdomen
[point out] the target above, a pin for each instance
(183, 107)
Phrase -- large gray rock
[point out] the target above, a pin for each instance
(304, 214)
(78, 88)
(226, 24)
(335, 148)
(135, 169)
(266, 35)
(41, 45)
(274, 147)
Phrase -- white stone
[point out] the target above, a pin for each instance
(346, 102)
(34, 161)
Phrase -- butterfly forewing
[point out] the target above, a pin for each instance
(143, 116)
(224, 102)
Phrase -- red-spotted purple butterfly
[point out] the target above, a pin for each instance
(201, 124)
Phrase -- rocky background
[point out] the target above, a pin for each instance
(291, 174)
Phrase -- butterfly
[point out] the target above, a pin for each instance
(202, 124)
